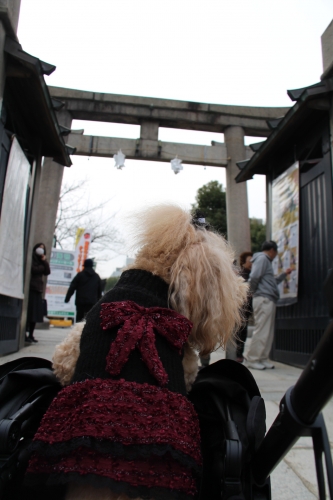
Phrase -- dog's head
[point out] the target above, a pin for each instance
(197, 263)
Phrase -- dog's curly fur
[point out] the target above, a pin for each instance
(66, 355)
(203, 286)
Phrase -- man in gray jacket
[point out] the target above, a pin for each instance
(265, 292)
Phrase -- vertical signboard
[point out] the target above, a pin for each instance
(285, 226)
(12, 223)
(82, 249)
(63, 270)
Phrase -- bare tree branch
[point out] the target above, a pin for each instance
(75, 212)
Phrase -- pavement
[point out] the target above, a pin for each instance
(295, 477)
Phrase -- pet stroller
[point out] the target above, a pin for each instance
(237, 458)
(232, 424)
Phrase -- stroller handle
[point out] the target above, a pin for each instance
(304, 401)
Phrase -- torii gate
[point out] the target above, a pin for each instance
(151, 113)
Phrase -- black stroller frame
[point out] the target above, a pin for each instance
(300, 415)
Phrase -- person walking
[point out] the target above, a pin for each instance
(39, 268)
(87, 285)
(245, 261)
(265, 292)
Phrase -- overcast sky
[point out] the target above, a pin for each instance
(217, 51)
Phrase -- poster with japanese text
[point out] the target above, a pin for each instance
(62, 264)
(285, 229)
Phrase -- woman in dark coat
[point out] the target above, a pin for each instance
(39, 268)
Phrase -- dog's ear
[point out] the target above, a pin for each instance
(66, 355)
(206, 288)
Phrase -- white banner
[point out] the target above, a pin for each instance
(285, 224)
(12, 223)
(82, 249)
(62, 264)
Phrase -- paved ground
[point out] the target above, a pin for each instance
(294, 478)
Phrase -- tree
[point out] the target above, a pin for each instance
(258, 234)
(211, 200)
(75, 212)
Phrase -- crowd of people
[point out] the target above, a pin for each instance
(257, 270)
(87, 284)
(137, 345)
(261, 301)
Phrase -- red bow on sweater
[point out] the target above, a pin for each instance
(137, 331)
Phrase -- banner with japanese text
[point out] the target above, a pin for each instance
(285, 230)
(82, 248)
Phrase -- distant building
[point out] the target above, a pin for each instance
(119, 270)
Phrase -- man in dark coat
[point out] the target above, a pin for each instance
(87, 285)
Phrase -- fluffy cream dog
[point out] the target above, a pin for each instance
(196, 264)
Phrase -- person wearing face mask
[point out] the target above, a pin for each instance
(39, 268)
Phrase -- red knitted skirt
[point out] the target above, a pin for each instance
(137, 439)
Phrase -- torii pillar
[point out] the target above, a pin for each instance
(49, 193)
(238, 223)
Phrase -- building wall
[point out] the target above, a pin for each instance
(300, 326)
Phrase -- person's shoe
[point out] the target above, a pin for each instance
(32, 339)
(240, 359)
(256, 366)
(267, 364)
(28, 340)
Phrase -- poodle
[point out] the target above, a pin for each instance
(124, 426)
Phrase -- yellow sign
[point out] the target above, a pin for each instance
(79, 233)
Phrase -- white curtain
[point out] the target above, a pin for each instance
(12, 223)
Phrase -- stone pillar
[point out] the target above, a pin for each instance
(9, 12)
(327, 47)
(50, 186)
(238, 224)
(149, 139)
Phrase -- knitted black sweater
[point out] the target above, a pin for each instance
(146, 290)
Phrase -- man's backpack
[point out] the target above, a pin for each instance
(27, 387)
(233, 423)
